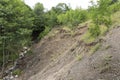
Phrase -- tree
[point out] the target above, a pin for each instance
(114, 1)
(39, 21)
(51, 18)
(101, 15)
(38, 9)
(16, 20)
(73, 17)
(61, 8)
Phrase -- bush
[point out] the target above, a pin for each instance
(73, 17)
(45, 32)
(94, 30)
(114, 7)
(100, 15)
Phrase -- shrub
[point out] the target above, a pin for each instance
(45, 32)
(100, 15)
(73, 17)
(114, 7)
(94, 30)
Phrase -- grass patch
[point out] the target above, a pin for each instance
(92, 33)
(79, 57)
(87, 38)
(68, 29)
(94, 48)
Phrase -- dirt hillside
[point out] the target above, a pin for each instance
(62, 56)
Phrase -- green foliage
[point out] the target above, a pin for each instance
(73, 17)
(94, 30)
(114, 7)
(88, 38)
(45, 32)
(16, 21)
(101, 13)
(38, 9)
(61, 8)
(39, 21)
(51, 18)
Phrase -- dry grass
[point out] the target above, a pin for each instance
(87, 38)
(103, 30)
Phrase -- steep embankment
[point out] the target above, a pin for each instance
(62, 56)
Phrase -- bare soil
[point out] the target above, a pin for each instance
(56, 58)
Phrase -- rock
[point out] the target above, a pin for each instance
(21, 55)
(16, 76)
(25, 48)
